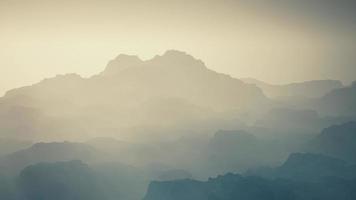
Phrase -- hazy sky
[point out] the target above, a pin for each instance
(273, 40)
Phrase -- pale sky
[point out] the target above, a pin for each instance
(272, 40)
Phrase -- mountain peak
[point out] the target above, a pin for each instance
(176, 53)
(171, 58)
(127, 58)
(121, 62)
(177, 58)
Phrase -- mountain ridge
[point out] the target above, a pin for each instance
(125, 94)
(307, 89)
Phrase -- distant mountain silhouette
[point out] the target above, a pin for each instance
(170, 175)
(338, 102)
(72, 180)
(29, 123)
(288, 120)
(307, 89)
(238, 150)
(110, 146)
(295, 124)
(8, 145)
(126, 152)
(119, 181)
(168, 90)
(47, 152)
(308, 167)
(233, 186)
(337, 140)
(120, 63)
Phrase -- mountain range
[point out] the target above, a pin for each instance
(307, 89)
(174, 89)
(160, 129)
(337, 141)
(301, 177)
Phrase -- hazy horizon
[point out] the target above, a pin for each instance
(177, 99)
(150, 58)
(277, 42)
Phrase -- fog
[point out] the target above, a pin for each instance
(177, 100)
(164, 119)
(302, 40)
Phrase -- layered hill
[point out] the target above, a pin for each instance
(168, 90)
(308, 167)
(337, 140)
(238, 150)
(61, 180)
(307, 89)
(234, 186)
(301, 177)
(47, 152)
(338, 102)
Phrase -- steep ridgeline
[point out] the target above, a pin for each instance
(168, 90)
